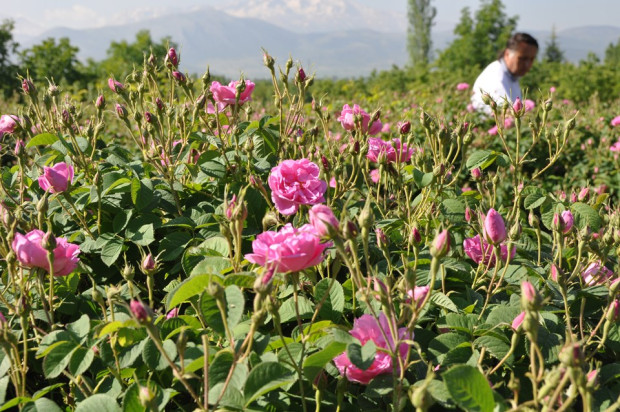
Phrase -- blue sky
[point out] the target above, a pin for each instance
(34, 16)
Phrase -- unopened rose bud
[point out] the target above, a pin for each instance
(140, 311)
(148, 117)
(405, 127)
(613, 313)
(19, 147)
(583, 195)
(325, 163)
(530, 298)
(180, 77)
(115, 85)
(128, 272)
(592, 379)
(28, 87)
(476, 173)
(441, 244)
(517, 106)
(148, 264)
(571, 355)
(121, 112)
(567, 221)
(548, 105)
(160, 105)
(147, 397)
(517, 321)
(172, 60)
(350, 230)
(418, 294)
(416, 236)
(48, 242)
(268, 61)
(53, 90)
(100, 102)
(467, 214)
(301, 75)
(382, 239)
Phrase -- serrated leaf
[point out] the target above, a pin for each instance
(469, 388)
(362, 356)
(314, 363)
(43, 139)
(153, 358)
(481, 159)
(111, 251)
(534, 200)
(98, 403)
(121, 220)
(41, 405)
(585, 215)
(189, 288)
(443, 301)
(287, 310)
(141, 193)
(330, 292)
(173, 245)
(81, 360)
(266, 377)
(495, 346)
(57, 359)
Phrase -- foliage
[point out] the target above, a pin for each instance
(421, 15)
(8, 47)
(553, 53)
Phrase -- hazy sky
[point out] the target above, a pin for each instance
(34, 16)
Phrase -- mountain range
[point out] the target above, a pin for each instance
(350, 40)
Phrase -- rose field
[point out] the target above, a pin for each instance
(177, 242)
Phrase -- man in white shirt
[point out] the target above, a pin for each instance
(500, 79)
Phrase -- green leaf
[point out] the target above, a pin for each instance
(141, 193)
(42, 405)
(288, 313)
(266, 377)
(314, 363)
(144, 236)
(331, 297)
(153, 358)
(453, 210)
(440, 345)
(111, 251)
(98, 403)
(443, 301)
(235, 303)
(189, 288)
(241, 279)
(585, 215)
(534, 200)
(81, 360)
(80, 327)
(43, 139)
(469, 388)
(494, 345)
(212, 265)
(362, 356)
(58, 359)
(481, 159)
(121, 220)
(173, 245)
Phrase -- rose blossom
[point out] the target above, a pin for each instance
(391, 151)
(8, 123)
(367, 328)
(294, 183)
(482, 252)
(615, 121)
(56, 179)
(289, 249)
(462, 86)
(323, 220)
(30, 252)
(529, 105)
(418, 294)
(596, 274)
(347, 120)
(227, 95)
(518, 320)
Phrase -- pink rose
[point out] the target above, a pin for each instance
(494, 227)
(517, 105)
(8, 123)
(30, 252)
(462, 86)
(56, 179)
(347, 120)
(227, 95)
(418, 294)
(482, 252)
(323, 220)
(379, 149)
(492, 131)
(596, 274)
(294, 183)
(614, 122)
(374, 175)
(367, 328)
(289, 249)
(529, 105)
(567, 220)
(518, 320)
(615, 147)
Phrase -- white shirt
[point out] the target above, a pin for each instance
(498, 82)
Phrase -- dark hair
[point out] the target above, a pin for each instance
(513, 42)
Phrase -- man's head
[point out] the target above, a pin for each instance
(520, 53)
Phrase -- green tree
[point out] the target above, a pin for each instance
(612, 54)
(478, 40)
(123, 57)
(8, 47)
(421, 15)
(553, 53)
(55, 61)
